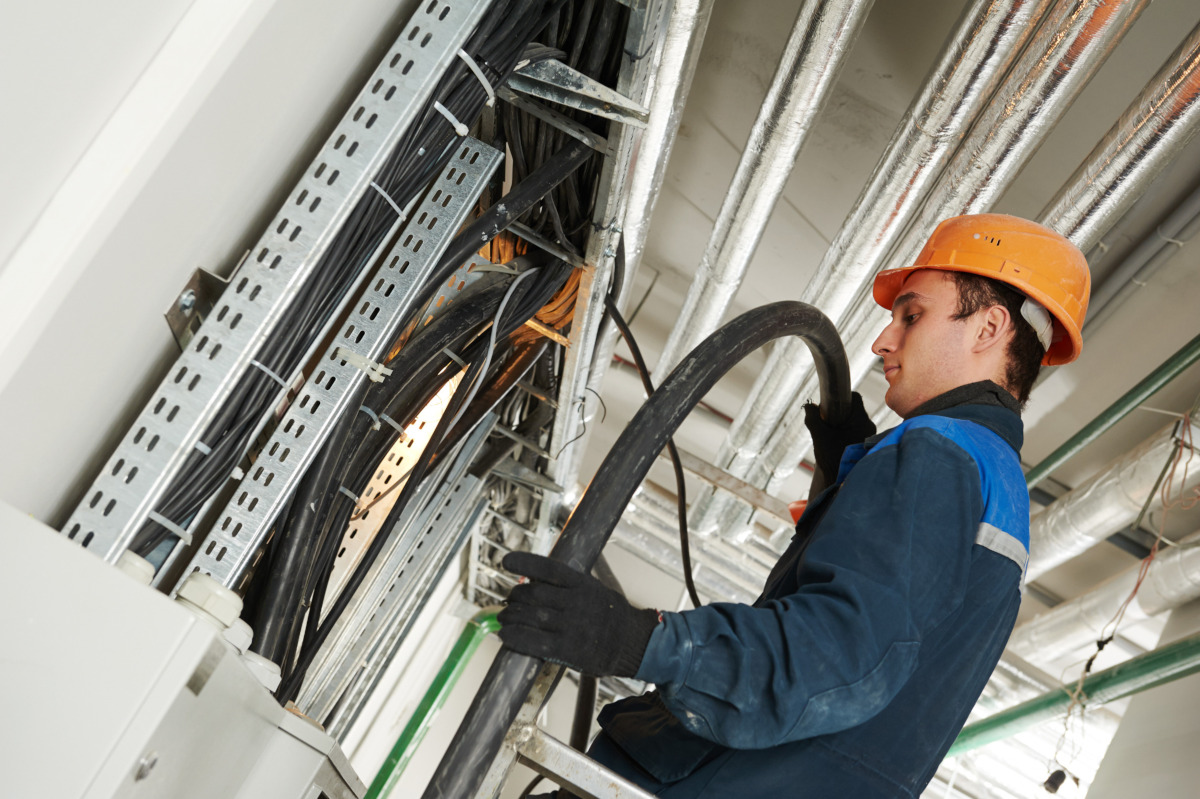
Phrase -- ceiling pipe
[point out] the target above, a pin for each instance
(1167, 371)
(979, 51)
(668, 93)
(1141, 673)
(1151, 133)
(1180, 227)
(1109, 501)
(1065, 53)
(815, 51)
(1172, 579)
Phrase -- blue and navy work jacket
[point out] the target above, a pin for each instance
(855, 669)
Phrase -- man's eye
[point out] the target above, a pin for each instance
(908, 319)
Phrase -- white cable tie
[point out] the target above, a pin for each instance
(202, 448)
(454, 357)
(1039, 318)
(403, 212)
(459, 127)
(173, 528)
(383, 417)
(269, 373)
(474, 67)
(349, 493)
(237, 474)
(374, 416)
(375, 372)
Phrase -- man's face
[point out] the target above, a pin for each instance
(925, 352)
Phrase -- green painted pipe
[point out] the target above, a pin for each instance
(1150, 670)
(472, 635)
(1165, 373)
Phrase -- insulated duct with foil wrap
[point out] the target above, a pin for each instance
(1109, 501)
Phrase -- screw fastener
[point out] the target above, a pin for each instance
(187, 301)
(145, 766)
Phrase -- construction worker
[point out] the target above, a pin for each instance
(879, 626)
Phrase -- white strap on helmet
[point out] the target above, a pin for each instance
(1039, 318)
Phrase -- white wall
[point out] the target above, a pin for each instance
(155, 138)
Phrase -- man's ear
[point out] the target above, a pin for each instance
(992, 329)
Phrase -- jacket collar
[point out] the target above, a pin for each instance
(985, 403)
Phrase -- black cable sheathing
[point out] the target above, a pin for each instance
(512, 675)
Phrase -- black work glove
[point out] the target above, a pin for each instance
(830, 441)
(571, 618)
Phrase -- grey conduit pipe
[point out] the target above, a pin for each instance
(821, 37)
(512, 675)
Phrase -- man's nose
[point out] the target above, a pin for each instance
(885, 343)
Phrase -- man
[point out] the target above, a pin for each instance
(879, 626)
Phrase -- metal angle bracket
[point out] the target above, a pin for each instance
(341, 369)
(555, 118)
(194, 304)
(166, 431)
(553, 80)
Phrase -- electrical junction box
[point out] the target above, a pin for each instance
(110, 689)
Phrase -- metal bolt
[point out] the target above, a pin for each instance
(145, 766)
(609, 252)
(187, 301)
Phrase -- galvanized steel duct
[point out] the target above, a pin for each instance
(979, 52)
(1067, 51)
(667, 97)
(822, 35)
(1148, 136)
(1107, 502)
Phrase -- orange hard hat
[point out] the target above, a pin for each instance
(1031, 258)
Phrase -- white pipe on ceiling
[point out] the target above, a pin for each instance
(1109, 501)
(978, 53)
(1065, 53)
(815, 51)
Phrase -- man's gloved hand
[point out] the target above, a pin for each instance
(830, 441)
(571, 618)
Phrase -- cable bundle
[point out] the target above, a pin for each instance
(422, 152)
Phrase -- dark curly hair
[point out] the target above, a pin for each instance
(975, 293)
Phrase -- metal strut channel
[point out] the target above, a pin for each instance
(389, 640)
(364, 339)
(395, 579)
(165, 433)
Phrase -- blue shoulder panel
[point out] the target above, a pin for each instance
(1004, 528)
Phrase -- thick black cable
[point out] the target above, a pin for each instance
(608, 494)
